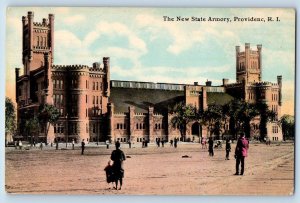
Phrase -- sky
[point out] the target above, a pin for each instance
(144, 47)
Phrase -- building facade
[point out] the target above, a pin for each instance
(95, 108)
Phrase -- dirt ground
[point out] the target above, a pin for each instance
(269, 170)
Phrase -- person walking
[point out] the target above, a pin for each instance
(82, 146)
(241, 151)
(118, 156)
(41, 145)
(211, 146)
(228, 148)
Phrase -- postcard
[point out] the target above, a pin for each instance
(150, 101)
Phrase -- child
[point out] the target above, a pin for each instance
(109, 173)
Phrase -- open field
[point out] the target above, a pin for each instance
(269, 170)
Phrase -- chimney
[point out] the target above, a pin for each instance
(225, 81)
(96, 65)
(208, 83)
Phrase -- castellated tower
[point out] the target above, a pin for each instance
(248, 64)
(37, 46)
(38, 39)
(79, 92)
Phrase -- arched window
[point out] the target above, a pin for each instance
(42, 41)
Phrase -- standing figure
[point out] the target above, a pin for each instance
(82, 147)
(171, 143)
(56, 142)
(107, 144)
(228, 148)
(20, 144)
(118, 157)
(241, 150)
(175, 142)
(129, 144)
(41, 145)
(162, 142)
(73, 144)
(203, 143)
(211, 146)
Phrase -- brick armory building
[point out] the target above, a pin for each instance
(96, 108)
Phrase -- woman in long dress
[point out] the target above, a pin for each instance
(118, 156)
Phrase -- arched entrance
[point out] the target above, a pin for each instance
(196, 129)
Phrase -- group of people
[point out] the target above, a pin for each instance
(241, 151)
(115, 172)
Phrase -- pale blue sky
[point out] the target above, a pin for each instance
(143, 47)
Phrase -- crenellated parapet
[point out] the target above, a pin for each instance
(234, 85)
(70, 67)
(119, 114)
(158, 115)
(265, 83)
(140, 114)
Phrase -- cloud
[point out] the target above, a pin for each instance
(115, 29)
(76, 19)
(182, 39)
(61, 10)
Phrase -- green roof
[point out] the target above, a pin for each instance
(218, 98)
(141, 99)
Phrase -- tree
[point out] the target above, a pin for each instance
(10, 117)
(247, 112)
(242, 113)
(287, 124)
(32, 127)
(266, 116)
(234, 107)
(48, 114)
(213, 117)
(182, 114)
